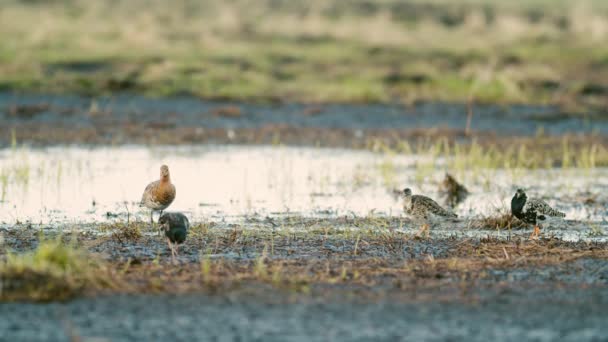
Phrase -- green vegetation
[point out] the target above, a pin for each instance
(310, 257)
(540, 51)
(584, 153)
(53, 271)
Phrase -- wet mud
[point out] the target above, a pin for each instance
(127, 119)
(298, 243)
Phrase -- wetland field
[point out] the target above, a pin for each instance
(291, 129)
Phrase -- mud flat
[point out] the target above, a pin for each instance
(295, 243)
(127, 119)
(506, 317)
(231, 283)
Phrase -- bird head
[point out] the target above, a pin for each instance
(163, 222)
(407, 192)
(164, 172)
(520, 193)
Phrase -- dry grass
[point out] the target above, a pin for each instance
(501, 220)
(125, 231)
(303, 275)
(366, 261)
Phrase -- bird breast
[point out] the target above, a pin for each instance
(165, 193)
(159, 196)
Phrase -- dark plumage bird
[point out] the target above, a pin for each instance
(159, 194)
(452, 191)
(175, 226)
(532, 210)
(423, 208)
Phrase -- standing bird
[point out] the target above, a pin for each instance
(452, 191)
(159, 194)
(175, 226)
(423, 208)
(532, 210)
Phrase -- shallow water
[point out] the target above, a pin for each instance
(75, 185)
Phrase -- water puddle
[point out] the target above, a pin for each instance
(75, 186)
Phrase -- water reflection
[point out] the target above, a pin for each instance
(76, 184)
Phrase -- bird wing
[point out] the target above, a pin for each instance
(150, 189)
(541, 207)
(432, 206)
(185, 222)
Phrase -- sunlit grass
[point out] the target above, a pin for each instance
(354, 51)
(3, 183)
(388, 173)
(53, 271)
(462, 158)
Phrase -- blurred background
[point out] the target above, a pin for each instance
(533, 52)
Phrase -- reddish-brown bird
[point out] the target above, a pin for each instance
(160, 194)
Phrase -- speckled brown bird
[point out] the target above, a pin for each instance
(159, 194)
(452, 191)
(423, 208)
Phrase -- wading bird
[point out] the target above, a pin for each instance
(423, 208)
(452, 191)
(159, 194)
(532, 210)
(175, 226)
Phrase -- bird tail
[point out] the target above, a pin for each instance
(445, 213)
(556, 213)
(451, 215)
(552, 212)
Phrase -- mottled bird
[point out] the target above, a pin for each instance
(423, 208)
(532, 210)
(159, 194)
(452, 191)
(175, 226)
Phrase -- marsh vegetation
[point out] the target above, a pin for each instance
(523, 51)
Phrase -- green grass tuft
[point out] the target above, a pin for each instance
(54, 271)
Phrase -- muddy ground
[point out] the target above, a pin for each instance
(302, 279)
(360, 261)
(566, 315)
(316, 284)
(318, 276)
(124, 119)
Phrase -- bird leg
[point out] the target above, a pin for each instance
(172, 250)
(424, 231)
(160, 228)
(151, 219)
(535, 233)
